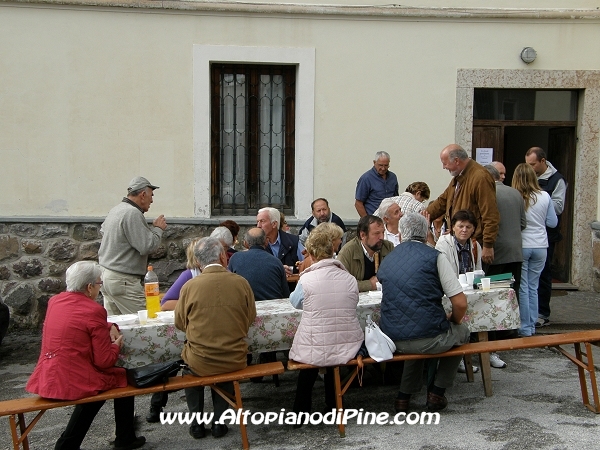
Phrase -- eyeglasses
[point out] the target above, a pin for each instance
(98, 283)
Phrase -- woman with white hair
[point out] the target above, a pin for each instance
(223, 234)
(78, 356)
(391, 214)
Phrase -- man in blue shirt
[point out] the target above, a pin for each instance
(375, 185)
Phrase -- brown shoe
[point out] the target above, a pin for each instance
(436, 402)
(401, 405)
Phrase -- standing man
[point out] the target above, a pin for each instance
(215, 311)
(127, 239)
(363, 254)
(472, 188)
(320, 214)
(285, 246)
(508, 249)
(501, 170)
(260, 268)
(375, 185)
(551, 181)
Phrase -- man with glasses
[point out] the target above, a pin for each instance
(127, 239)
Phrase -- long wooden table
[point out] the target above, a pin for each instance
(277, 320)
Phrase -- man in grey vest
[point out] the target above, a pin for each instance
(554, 184)
(415, 277)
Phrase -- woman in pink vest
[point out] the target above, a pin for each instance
(329, 333)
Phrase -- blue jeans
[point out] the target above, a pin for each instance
(533, 263)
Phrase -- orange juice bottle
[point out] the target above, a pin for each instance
(152, 293)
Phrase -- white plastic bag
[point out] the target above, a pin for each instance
(380, 347)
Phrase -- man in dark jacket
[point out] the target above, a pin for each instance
(320, 214)
(260, 268)
(415, 277)
(286, 247)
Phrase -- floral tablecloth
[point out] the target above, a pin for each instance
(277, 320)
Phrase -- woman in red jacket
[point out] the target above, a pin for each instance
(79, 351)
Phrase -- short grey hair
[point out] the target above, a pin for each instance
(274, 215)
(255, 236)
(224, 235)
(458, 153)
(382, 154)
(493, 171)
(208, 250)
(82, 273)
(384, 206)
(413, 227)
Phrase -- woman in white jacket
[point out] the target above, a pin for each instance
(540, 214)
(463, 252)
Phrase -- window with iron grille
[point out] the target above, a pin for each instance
(252, 138)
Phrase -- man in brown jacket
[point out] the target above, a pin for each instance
(472, 188)
(215, 310)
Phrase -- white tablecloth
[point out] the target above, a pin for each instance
(276, 323)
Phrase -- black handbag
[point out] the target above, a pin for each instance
(157, 373)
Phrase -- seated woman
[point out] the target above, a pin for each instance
(169, 301)
(329, 332)
(463, 252)
(77, 358)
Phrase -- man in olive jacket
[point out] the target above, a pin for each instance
(215, 310)
(363, 254)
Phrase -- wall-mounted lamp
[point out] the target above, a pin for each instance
(528, 55)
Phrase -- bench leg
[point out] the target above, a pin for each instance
(582, 379)
(339, 398)
(24, 429)
(469, 368)
(236, 402)
(486, 370)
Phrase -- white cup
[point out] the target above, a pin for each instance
(462, 278)
(143, 316)
(485, 284)
(470, 277)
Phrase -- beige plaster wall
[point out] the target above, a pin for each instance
(94, 96)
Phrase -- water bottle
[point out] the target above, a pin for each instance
(152, 293)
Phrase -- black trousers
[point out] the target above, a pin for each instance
(195, 397)
(304, 388)
(159, 400)
(83, 416)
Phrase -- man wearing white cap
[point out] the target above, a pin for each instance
(127, 239)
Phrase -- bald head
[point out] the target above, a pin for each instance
(254, 236)
(501, 170)
(454, 159)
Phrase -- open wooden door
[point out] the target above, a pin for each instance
(561, 153)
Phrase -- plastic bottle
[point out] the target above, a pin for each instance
(152, 293)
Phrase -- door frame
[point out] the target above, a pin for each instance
(587, 142)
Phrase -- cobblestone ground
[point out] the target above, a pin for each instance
(536, 405)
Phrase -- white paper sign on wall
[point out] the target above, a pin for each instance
(484, 155)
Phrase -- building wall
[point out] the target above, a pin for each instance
(92, 96)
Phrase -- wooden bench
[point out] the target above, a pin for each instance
(582, 359)
(15, 409)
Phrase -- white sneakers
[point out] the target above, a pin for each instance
(463, 369)
(496, 362)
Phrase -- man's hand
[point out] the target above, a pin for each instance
(373, 281)
(360, 208)
(289, 270)
(487, 255)
(160, 222)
